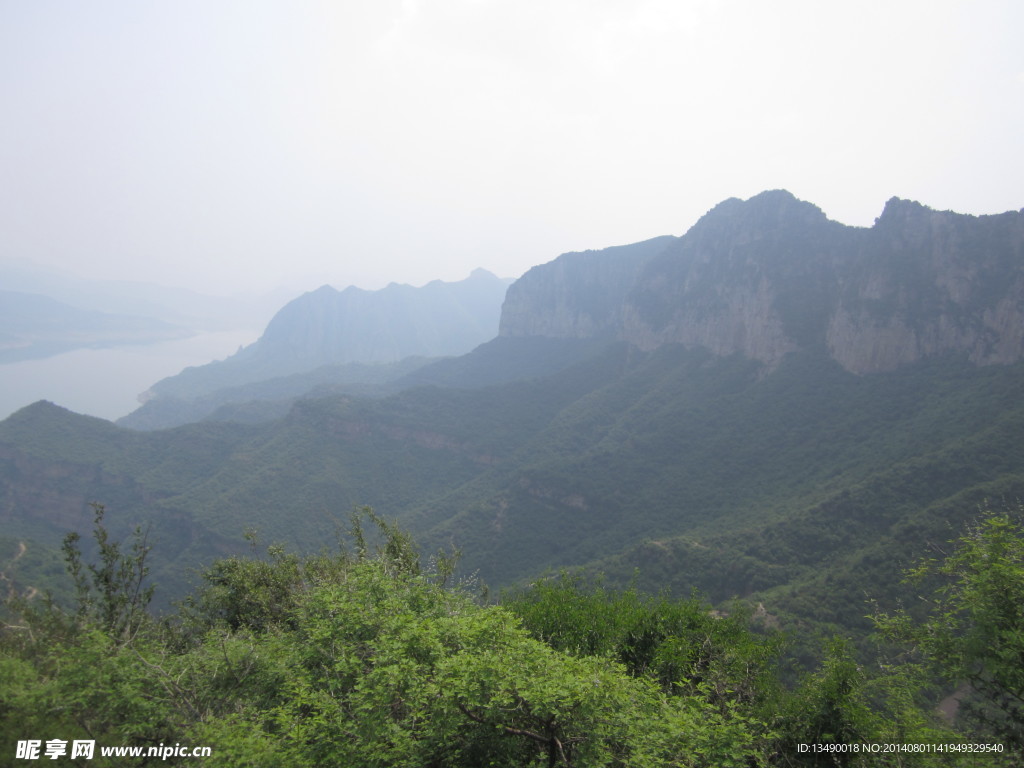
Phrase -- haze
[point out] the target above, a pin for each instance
(237, 146)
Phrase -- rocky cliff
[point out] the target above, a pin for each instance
(926, 283)
(773, 274)
(578, 295)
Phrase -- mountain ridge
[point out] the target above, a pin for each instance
(772, 274)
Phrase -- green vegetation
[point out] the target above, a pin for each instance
(369, 657)
(267, 399)
(973, 630)
(693, 472)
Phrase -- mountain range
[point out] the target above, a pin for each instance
(354, 337)
(773, 406)
(773, 275)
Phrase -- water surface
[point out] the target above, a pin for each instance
(108, 382)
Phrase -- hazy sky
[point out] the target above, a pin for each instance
(220, 145)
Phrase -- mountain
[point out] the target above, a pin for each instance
(384, 326)
(772, 406)
(772, 275)
(329, 335)
(35, 326)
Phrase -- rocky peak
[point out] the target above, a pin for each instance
(772, 274)
(768, 211)
(746, 278)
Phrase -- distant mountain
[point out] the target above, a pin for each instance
(178, 306)
(772, 275)
(329, 335)
(399, 321)
(772, 406)
(34, 326)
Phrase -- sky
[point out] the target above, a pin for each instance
(242, 145)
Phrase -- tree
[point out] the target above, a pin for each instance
(112, 592)
(973, 632)
(75, 671)
(684, 645)
(389, 668)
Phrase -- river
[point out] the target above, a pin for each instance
(107, 382)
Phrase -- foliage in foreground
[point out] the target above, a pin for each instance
(973, 634)
(368, 658)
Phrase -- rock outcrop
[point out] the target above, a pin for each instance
(772, 275)
(926, 283)
(578, 295)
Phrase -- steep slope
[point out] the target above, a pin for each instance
(578, 295)
(756, 278)
(927, 283)
(772, 275)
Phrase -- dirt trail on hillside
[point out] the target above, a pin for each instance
(30, 592)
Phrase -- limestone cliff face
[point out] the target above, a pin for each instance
(927, 283)
(772, 275)
(741, 320)
(578, 295)
(746, 278)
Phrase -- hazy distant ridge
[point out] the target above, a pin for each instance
(327, 327)
(399, 321)
(34, 326)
